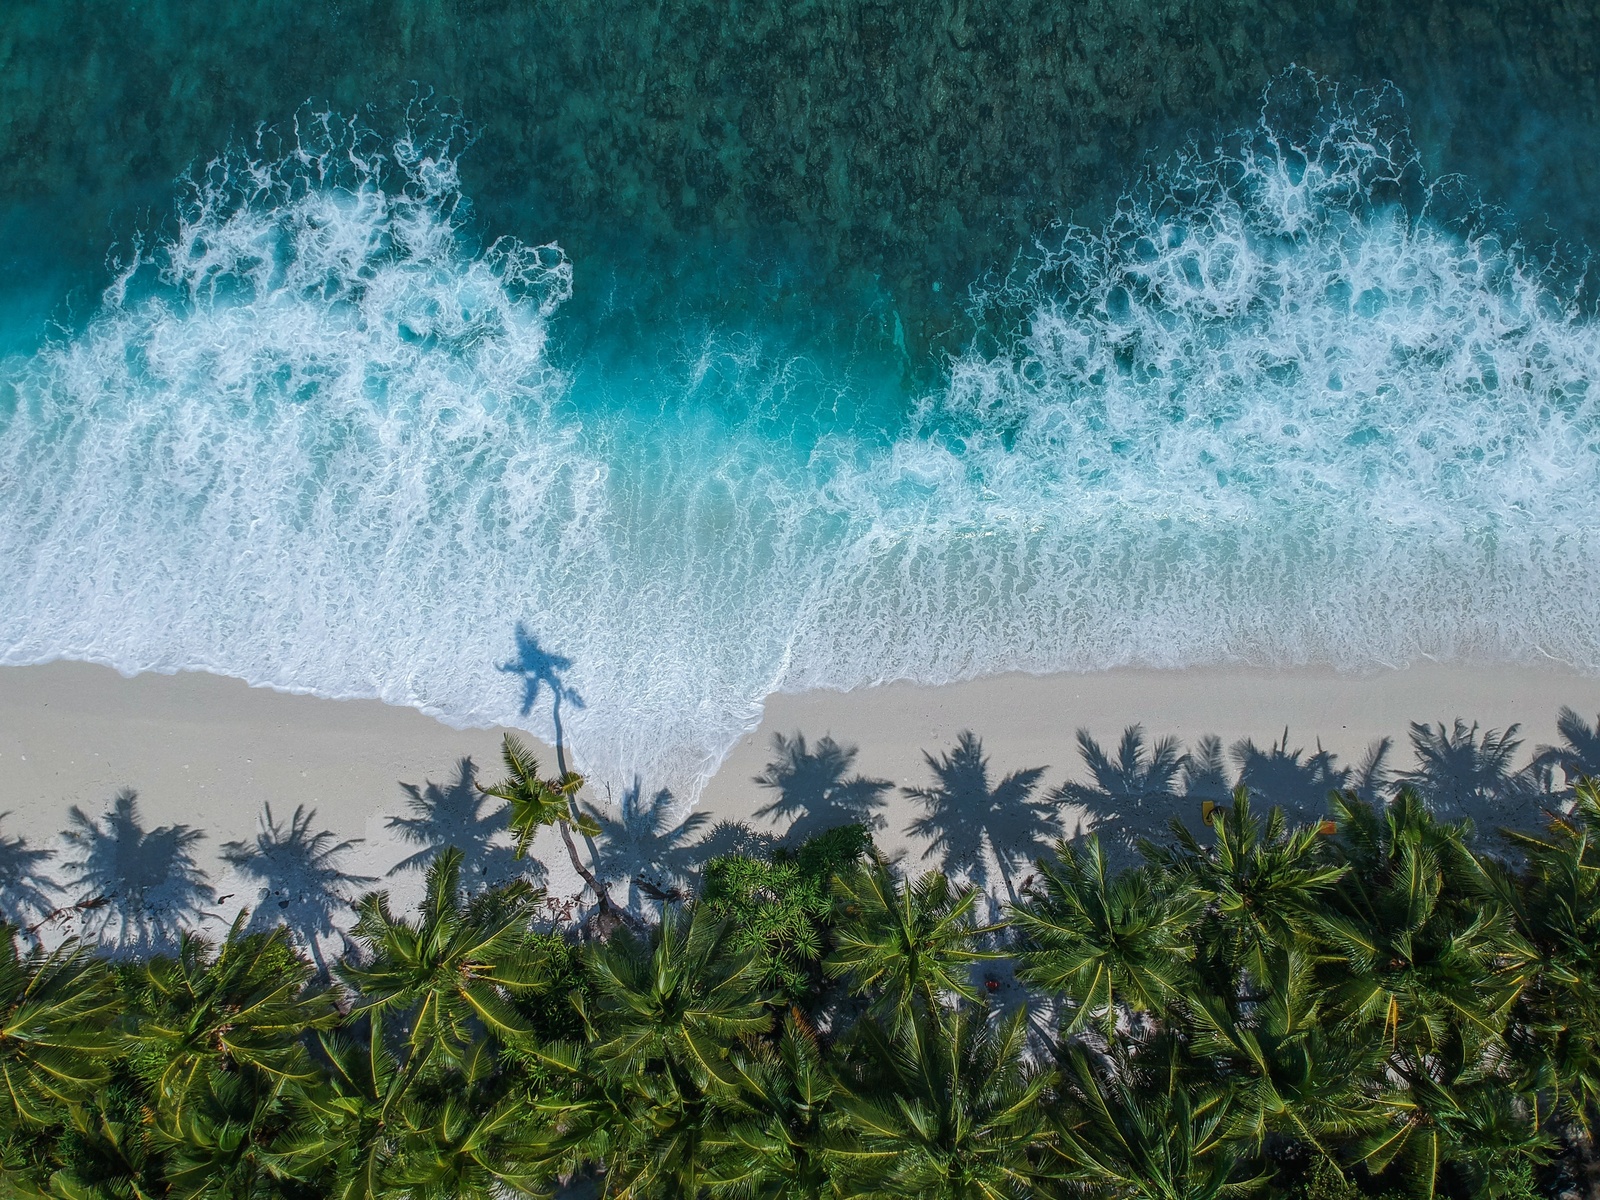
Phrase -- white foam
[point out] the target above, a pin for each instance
(316, 439)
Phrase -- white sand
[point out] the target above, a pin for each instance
(209, 752)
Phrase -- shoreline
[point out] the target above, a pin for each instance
(208, 752)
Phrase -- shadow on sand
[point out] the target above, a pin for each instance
(137, 889)
(26, 889)
(301, 883)
(974, 828)
(457, 814)
(815, 789)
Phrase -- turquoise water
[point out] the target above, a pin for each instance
(378, 400)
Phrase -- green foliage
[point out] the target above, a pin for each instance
(1383, 1012)
(780, 907)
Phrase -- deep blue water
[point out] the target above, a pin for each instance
(409, 394)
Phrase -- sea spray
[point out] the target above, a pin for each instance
(1279, 410)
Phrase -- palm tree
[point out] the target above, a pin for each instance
(346, 1144)
(1146, 1125)
(1108, 942)
(56, 1013)
(778, 1142)
(677, 999)
(247, 1005)
(1293, 1072)
(218, 1143)
(536, 802)
(946, 1107)
(1426, 951)
(464, 1135)
(1260, 884)
(1455, 1123)
(450, 972)
(670, 1016)
(1557, 906)
(909, 944)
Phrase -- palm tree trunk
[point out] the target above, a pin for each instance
(588, 876)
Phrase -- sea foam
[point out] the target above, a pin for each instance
(1279, 410)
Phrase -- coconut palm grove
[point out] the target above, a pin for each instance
(1377, 1002)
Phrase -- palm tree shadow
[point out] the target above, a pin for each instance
(1137, 790)
(1578, 756)
(1279, 776)
(969, 824)
(542, 670)
(1462, 773)
(815, 790)
(138, 888)
(729, 837)
(302, 885)
(25, 887)
(458, 814)
(643, 846)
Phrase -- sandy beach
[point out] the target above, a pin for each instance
(212, 754)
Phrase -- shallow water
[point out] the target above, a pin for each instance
(668, 359)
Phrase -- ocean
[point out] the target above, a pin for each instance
(617, 367)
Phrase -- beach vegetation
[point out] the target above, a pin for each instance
(1380, 1002)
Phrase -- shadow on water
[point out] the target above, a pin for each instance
(644, 846)
(541, 670)
(25, 887)
(138, 888)
(968, 822)
(816, 791)
(458, 814)
(301, 882)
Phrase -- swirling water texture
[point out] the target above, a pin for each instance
(1279, 410)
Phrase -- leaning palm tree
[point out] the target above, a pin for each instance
(451, 972)
(536, 802)
(948, 1107)
(56, 1015)
(907, 944)
(1107, 942)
